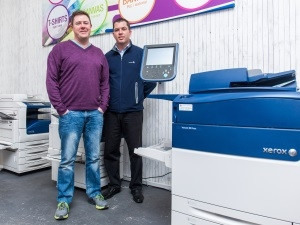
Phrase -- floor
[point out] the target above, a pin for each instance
(30, 199)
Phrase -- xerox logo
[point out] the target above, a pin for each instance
(292, 152)
(280, 151)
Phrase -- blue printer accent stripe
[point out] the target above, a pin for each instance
(267, 143)
(37, 105)
(240, 110)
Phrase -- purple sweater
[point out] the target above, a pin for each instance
(77, 78)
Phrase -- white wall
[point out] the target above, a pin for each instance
(262, 34)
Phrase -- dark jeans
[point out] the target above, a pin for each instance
(128, 125)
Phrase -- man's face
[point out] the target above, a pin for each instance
(122, 33)
(81, 27)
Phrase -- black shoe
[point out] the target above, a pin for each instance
(137, 196)
(110, 192)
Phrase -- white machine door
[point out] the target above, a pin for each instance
(266, 189)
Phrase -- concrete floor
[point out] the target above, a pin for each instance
(30, 199)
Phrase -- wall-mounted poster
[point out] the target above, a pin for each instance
(56, 13)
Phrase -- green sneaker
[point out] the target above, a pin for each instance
(62, 211)
(99, 202)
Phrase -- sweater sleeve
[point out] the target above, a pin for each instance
(104, 85)
(52, 82)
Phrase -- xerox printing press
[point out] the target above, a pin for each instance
(235, 144)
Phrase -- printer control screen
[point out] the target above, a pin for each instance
(160, 56)
(159, 62)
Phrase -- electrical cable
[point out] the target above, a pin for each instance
(145, 178)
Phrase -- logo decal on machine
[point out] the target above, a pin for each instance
(186, 107)
(292, 152)
(280, 151)
(188, 128)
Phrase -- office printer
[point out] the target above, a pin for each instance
(24, 132)
(235, 149)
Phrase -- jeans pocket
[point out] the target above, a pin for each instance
(64, 115)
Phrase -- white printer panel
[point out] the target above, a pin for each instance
(13, 97)
(16, 110)
(181, 219)
(54, 117)
(13, 164)
(255, 190)
(9, 131)
(15, 130)
(29, 150)
(26, 157)
(196, 212)
(31, 146)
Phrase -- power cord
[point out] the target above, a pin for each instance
(145, 178)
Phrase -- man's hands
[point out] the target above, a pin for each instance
(66, 112)
(100, 110)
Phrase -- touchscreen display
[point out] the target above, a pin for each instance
(160, 56)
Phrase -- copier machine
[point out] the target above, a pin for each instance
(235, 149)
(24, 127)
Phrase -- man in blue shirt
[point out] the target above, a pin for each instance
(124, 116)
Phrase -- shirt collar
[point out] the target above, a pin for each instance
(81, 45)
(123, 50)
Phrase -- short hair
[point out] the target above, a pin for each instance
(77, 13)
(121, 20)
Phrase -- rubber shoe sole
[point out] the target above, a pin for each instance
(101, 207)
(61, 217)
(62, 211)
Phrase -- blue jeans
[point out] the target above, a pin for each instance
(71, 126)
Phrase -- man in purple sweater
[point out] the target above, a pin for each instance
(78, 88)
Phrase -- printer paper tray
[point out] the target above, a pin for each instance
(201, 213)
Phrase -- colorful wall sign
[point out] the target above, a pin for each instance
(56, 13)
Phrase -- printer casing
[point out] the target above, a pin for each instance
(24, 128)
(235, 155)
(235, 149)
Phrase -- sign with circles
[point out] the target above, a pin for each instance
(56, 14)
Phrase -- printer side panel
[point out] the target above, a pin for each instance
(253, 190)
